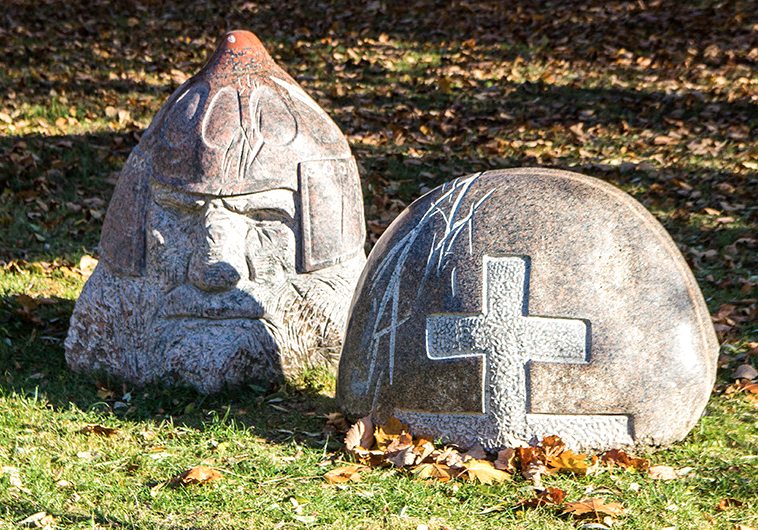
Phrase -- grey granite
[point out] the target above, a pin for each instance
(234, 237)
(529, 302)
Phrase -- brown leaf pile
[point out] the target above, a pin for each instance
(392, 445)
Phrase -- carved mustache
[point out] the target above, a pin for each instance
(188, 301)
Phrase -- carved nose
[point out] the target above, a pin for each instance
(217, 263)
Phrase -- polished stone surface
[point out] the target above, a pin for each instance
(529, 302)
(234, 237)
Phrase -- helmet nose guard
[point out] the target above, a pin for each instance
(242, 125)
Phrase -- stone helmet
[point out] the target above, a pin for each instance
(242, 125)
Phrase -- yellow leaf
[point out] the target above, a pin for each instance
(344, 474)
(568, 461)
(384, 434)
(438, 471)
(484, 472)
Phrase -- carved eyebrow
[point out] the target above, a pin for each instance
(272, 203)
(169, 197)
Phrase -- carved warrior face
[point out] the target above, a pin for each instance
(234, 237)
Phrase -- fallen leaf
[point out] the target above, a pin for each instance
(63, 484)
(424, 447)
(532, 463)
(344, 474)
(196, 475)
(593, 506)
(745, 371)
(729, 502)
(360, 435)
(87, 265)
(506, 460)
(39, 519)
(437, 471)
(450, 457)
(621, 459)
(336, 422)
(662, 473)
(546, 497)
(552, 445)
(384, 434)
(14, 477)
(403, 441)
(403, 457)
(569, 462)
(476, 452)
(102, 430)
(484, 472)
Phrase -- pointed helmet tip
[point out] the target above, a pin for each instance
(239, 39)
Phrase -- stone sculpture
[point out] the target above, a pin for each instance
(529, 302)
(234, 237)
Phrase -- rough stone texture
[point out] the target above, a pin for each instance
(234, 237)
(525, 303)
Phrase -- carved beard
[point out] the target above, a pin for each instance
(117, 327)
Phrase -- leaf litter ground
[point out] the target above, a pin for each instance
(657, 97)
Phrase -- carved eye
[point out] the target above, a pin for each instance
(222, 120)
(182, 116)
(273, 119)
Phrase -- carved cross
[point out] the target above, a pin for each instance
(508, 339)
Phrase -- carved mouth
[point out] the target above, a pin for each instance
(189, 302)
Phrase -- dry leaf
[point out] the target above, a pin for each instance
(360, 435)
(567, 461)
(403, 457)
(484, 472)
(552, 445)
(450, 457)
(344, 474)
(87, 265)
(99, 429)
(401, 442)
(476, 452)
(662, 473)
(424, 447)
(63, 484)
(384, 434)
(14, 477)
(546, 497)
(39, 519)
(745, 371)
(621, 459)
(336, 422)
(593, 506)
(437, 471)
(729, 502)
(506, 460)
(196, 475)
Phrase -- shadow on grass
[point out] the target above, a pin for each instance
(32, 355)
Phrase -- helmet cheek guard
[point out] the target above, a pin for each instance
(122, 240)
(239, 126)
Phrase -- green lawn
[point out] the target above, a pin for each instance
(657, 97)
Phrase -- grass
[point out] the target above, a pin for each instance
(425, 91)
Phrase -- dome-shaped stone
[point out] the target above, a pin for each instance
(525, 303)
